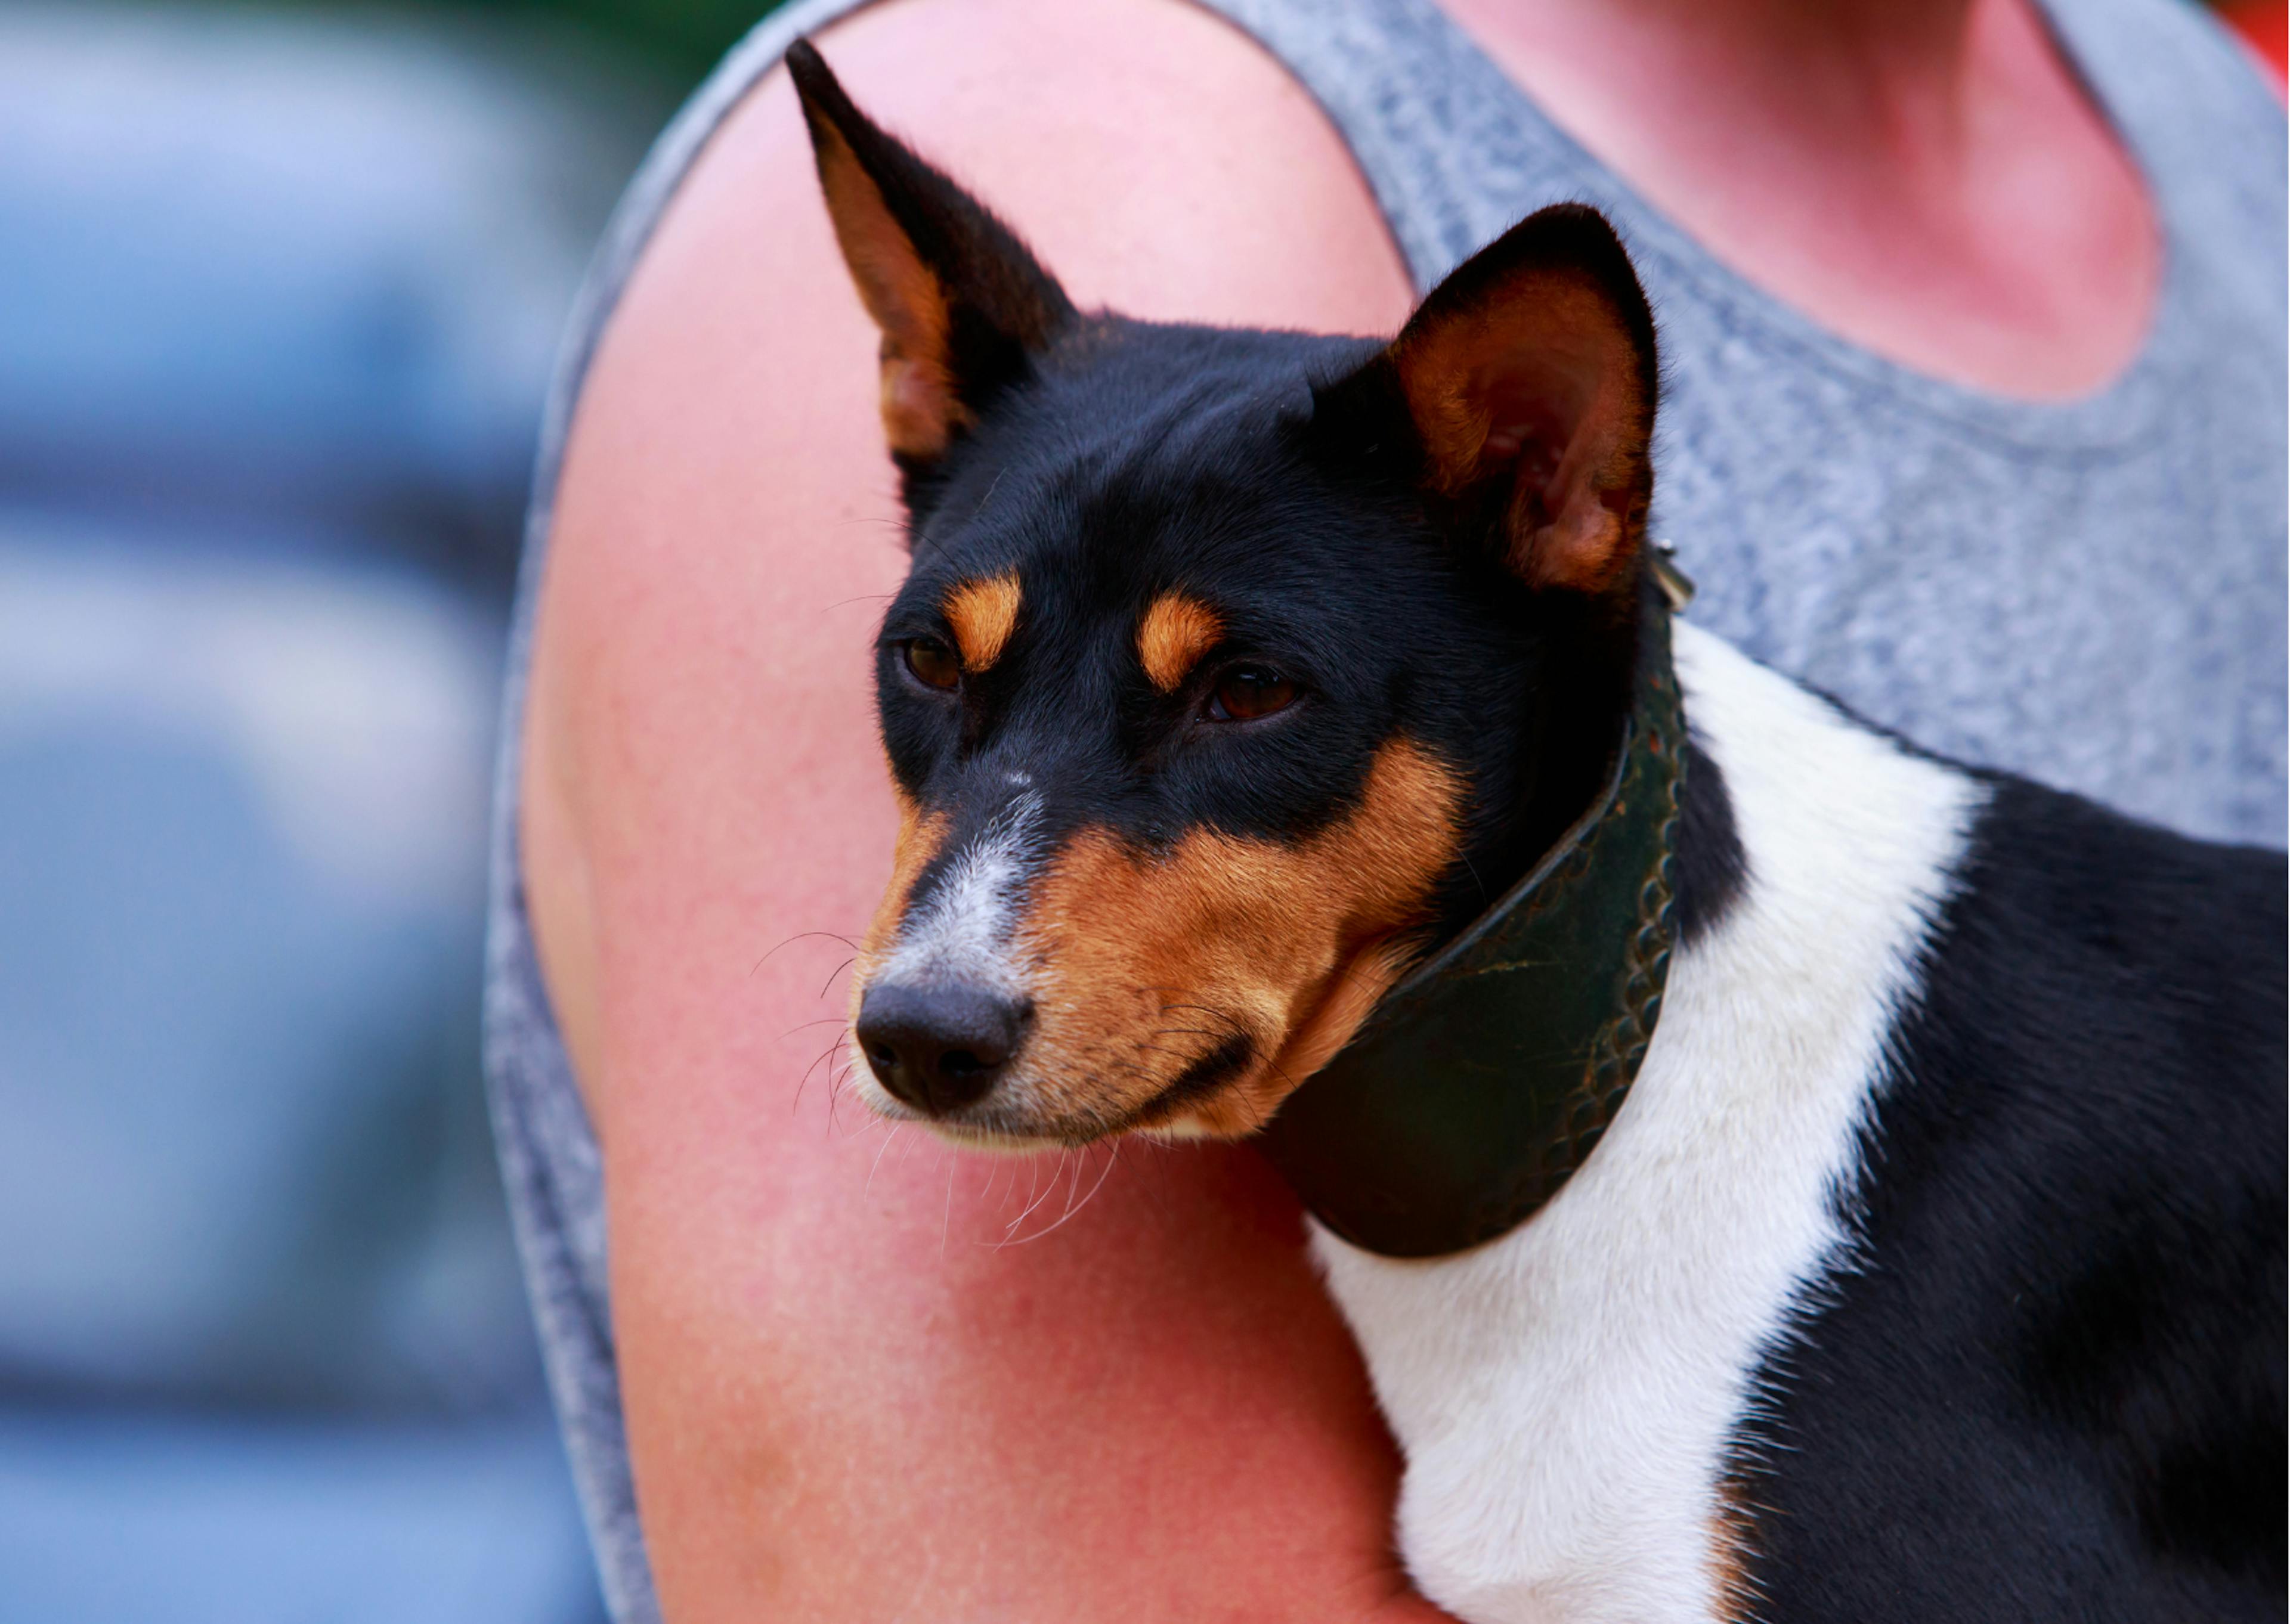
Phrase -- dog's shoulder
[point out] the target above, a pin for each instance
(2053, 1364)
(2180, 939)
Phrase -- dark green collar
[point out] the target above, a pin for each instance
(1485, 1079)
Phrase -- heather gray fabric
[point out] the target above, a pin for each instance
(2090, 593)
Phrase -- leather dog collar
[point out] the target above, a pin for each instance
(1485, 1079)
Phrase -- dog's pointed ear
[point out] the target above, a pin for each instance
(1528, 378)
(962, 305)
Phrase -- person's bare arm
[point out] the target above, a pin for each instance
(845, 1400)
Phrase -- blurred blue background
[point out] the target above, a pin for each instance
(279, 292)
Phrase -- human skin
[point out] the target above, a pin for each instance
(1922, 176)
(855, 1387)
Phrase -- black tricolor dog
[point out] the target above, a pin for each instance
(1926, 1263)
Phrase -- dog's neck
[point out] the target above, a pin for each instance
(1484, 1080)
(1571, 1395)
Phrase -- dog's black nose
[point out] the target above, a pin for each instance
(938, 1048)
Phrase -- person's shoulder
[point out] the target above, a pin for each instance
(1158, 160)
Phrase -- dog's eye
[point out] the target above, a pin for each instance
(934, 664)
(1250, 692)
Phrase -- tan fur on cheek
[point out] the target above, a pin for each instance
(1176, 631)
(1144, 964)
(983, 613)
(920, 835)
(1354, 989)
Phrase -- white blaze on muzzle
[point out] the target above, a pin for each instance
(960, 935)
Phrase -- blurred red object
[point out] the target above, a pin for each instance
(2262, 23)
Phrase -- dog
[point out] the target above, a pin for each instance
(1912, 1247)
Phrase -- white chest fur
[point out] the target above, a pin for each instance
(1566, 1395)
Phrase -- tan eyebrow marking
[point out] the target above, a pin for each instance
(1177, 630)
(983, 614)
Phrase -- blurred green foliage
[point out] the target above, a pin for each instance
(682, 38)
(679, 40)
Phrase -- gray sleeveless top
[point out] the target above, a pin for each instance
(2090, 593)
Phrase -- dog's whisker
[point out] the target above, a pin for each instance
(1073, 1185)
(946, 1220)
(1075, 1201)
(835, 1094)
(1034, 1201)
(826, 1058)
(880, 1151)
(824, 1021)
(802, 936)
(1033, 1172)
(838, 970)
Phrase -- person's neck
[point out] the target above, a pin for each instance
(1924, 176)
(1885, 75)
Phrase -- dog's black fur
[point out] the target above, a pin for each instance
(2052, 1387)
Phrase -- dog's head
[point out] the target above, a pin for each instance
(1233, 668)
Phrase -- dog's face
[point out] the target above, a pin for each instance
(1179, 732)
(1233, 670)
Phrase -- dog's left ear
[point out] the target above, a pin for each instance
(963, 306)
(1528, 377)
